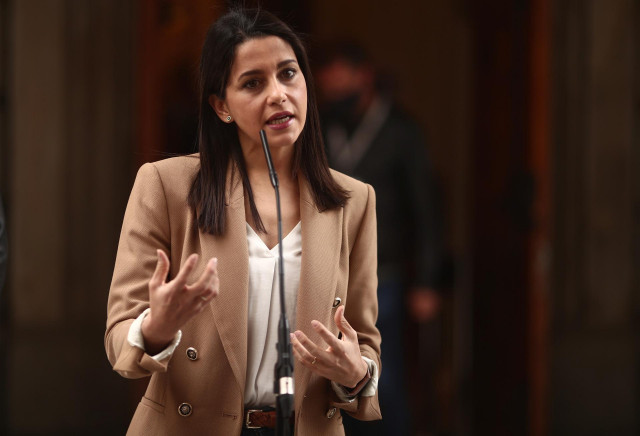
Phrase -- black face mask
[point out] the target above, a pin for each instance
(343, 111)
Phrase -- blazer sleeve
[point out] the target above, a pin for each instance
(361, 308)
(145, 229)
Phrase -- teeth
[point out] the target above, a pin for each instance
(280, 120)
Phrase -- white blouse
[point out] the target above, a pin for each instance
(264, 310)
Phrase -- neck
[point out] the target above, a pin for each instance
(256, 163)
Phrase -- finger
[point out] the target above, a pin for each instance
(212, 286)
(181, 279)
(300, 352)
(205, 297)
(209, 272)
(328, 337)
(209, 293)
(206, 286)
(343, 325)
(161, 272)
(200, 304)
(296, 354)
(308, 344)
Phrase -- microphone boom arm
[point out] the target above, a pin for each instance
(283, 381)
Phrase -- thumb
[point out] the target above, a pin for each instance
(162, 270)
(342, 323)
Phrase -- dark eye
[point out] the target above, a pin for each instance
(289, 73)
(251, 84)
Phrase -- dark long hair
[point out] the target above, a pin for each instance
(218, 142)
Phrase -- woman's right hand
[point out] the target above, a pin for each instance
(174, 303)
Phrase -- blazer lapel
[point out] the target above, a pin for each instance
(230, 307)
(321, 245)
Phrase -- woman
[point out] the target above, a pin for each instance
(193, 303)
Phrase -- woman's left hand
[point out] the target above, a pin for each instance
(341, 361)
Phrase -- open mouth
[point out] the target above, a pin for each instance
(279, 119)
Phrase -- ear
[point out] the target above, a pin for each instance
(219, 106)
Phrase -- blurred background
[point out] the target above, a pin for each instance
(531, 113)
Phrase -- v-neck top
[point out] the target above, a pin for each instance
(264, 310)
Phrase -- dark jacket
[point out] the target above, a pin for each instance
(409, 230)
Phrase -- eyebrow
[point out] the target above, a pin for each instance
(257, 71)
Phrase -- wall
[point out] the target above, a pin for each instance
(594, 362)
(69, 173)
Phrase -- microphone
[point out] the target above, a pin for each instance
(283, 381)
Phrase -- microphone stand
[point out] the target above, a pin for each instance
(283, 381)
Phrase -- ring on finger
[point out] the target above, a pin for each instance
(203, 298)
(313, 362)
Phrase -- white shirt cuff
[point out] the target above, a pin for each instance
(135, 338)
(369, 390)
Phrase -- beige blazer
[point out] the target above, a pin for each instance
(338, 261)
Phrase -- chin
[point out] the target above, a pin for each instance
(281, 139)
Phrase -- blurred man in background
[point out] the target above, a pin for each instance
(368, 137)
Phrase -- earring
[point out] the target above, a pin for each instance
(228, 118)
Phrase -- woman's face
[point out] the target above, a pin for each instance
(266, 90)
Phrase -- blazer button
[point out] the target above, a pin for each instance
(331, 412)
(337, 302)
(185, 409)
(192, 353)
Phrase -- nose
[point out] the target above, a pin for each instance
(276, 94)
